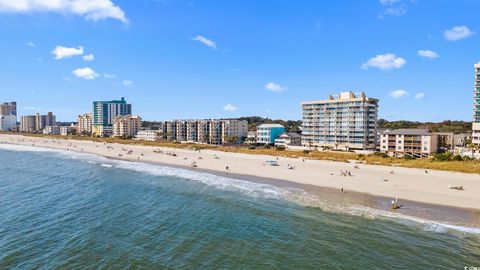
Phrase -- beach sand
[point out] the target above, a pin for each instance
(423, 193)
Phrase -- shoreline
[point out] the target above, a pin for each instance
(452, 214)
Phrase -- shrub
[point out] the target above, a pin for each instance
(280, 148)
(306, 152)
(457, 158)
(443, 156)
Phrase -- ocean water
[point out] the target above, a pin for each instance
(62, 210)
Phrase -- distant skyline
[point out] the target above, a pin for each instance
(176, 59)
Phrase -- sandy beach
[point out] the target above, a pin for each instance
(415, 185)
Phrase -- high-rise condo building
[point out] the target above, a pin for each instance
(37, 122)
(84, 125)
(8, 122)
(105, 112)
(8, 116)
(345, 121)
(126, 126)
(8, 108)
(476, 107)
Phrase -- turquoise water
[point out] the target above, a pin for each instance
(61, 210)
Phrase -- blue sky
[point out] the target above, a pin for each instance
(208, 59)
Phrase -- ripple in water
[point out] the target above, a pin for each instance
(66, 210)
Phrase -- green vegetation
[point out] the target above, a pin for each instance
(444, 126)
(290, 125)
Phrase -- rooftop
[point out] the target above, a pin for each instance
(343, 96)
(271, 125)
(408, 131)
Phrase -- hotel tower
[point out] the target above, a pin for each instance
(476, 107)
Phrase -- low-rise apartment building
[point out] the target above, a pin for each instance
(221, 131)
(267, 133)
(127, 126)
(67, 130)
(149, 135)
(51, 130)
(289, 139)
(416, 143)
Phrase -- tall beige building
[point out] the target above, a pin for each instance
(8, 108)
(37, 122)
(127, 126)
(345, 121)
(85, 123)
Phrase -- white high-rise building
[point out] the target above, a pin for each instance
(8, 116)
(345, 121)
(8, 122)
(476, 107)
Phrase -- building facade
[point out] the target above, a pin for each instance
(51, 130)
(126, 126)
(149, 135)
(205, 131)
(67, 130)
(289, 139)
(37, 122)
(417, 143)
(8, 122)
(267, 133)
(84, 124)
(345, 121)
(8, 108)
(105, 113)
(476, 107)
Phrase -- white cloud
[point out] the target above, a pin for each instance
(30, 44)
(389, 2)
(85, 73)
(206, 41)
(90, 9)
(384, 62)
(428, 54)
(398, 11)
(127, 83)
(61, 52)
(419, 96)
(229, 108)
(457, 33)
(271, 86)
(89, 57)
(399, 93)
(109, 76)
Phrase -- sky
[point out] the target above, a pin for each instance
(175, 59)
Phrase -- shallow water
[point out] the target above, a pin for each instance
(61, 210)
